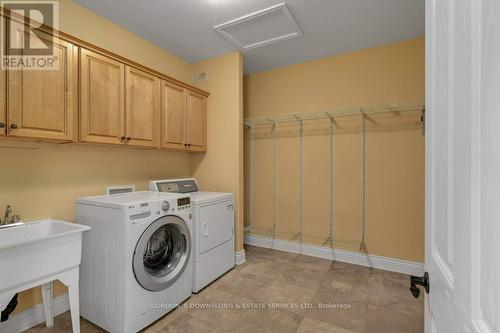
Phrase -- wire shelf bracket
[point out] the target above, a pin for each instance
(300, 203)
(250, 176)
(362, 169)
(275, 181)
(329, 240)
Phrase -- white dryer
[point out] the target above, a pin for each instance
(136, 260)
(213, 229)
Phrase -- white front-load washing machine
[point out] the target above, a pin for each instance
(213, 229)
(136, 260)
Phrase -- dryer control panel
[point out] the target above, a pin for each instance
(175, 186)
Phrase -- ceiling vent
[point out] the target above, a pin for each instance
(264, 27)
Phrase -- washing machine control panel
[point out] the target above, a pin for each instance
(173, 205)
(145, 210)
(184, 201)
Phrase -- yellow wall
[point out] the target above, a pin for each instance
(221, 168)
(44, 182)
(395, 149)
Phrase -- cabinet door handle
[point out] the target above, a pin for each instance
(2, 125)
(122, 138)
(129, 138)
(13, 126)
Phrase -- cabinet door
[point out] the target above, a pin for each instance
(3, 85)
(197, 122)
(3, 101)
(142, 108)
(102, 113)
(43, 103)
(173, 116)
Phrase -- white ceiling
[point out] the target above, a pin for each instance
(185, 27)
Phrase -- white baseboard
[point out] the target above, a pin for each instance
(239, 257)
(357, 258)
(33, 316)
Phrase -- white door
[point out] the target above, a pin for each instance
(463, 165)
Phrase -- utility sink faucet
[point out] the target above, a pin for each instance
(8, 218)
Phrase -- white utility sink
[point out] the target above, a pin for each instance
(37, 253)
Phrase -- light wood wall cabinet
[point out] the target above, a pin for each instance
(142, 108)
(173, 116)
(119, 103)
(196, 122)
(43, 103)
(102, 99)
(96, 96)
(183, 119)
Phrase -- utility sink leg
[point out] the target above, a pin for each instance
(48, 303)
(74, 304)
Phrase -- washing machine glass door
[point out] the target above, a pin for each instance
(162, 253)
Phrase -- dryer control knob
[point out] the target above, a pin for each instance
(165, 206)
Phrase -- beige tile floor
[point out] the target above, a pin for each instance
(374, 301)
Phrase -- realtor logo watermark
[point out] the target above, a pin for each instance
(27, 46)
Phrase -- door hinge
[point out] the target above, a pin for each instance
(422, 281)
(422, 122)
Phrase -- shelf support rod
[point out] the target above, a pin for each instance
(300, 204)
(250, 176)
(275, 181)
(362, 168)
(330, 238)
